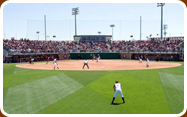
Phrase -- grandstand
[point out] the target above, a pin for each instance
(20, 50)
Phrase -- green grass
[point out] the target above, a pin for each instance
(154, 91)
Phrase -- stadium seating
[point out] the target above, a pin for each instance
(35, 46)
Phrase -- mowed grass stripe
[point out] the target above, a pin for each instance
(83, 101)
(173, 85)
(34, 96)
(86, 77)
(8, 71)
(17, 76)
(20, 70)
(141, 96)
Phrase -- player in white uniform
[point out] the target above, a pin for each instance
(98, 58)
(85, 63)
(140, 60)
(147, 63)
(118, 89)
(32, 61)
(55, 63)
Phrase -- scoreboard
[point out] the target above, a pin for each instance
(92, 38)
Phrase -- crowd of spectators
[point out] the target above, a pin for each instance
(94, 46)
(35, 46)
(152, 45)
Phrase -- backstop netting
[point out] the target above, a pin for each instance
(65, 29)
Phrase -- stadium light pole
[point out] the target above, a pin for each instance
(140, 28)
(75, 11)
(99, 32)
(47, 37)
(112, 25)
(165, 28)
(161, 5)
(38, 34)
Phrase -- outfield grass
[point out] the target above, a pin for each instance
(53, 91)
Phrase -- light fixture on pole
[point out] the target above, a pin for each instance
(150, 35)
(112, 30)
(38, 34)
(99, 32)
(54, 36)
(75, 11)
(161, 5)
(147, 37)
(131, 36)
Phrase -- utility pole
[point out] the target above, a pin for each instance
(140, 28)
(45, 27)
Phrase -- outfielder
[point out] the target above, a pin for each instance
(118, 89)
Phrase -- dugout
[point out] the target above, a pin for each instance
(24, 57)
(89, 55)
(163, 56)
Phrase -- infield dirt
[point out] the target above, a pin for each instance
(101, 65)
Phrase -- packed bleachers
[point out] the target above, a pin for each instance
(165, 45)
(35, 46)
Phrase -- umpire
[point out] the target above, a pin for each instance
(85, 63)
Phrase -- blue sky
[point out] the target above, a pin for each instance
(22, 20)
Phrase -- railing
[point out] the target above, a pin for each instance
(41, 53)
(97, 51)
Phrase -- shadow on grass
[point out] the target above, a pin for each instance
(117, 103)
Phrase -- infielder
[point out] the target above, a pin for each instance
(55, 63)
(85, 63)
(157, 58)
(47, 59)
(118, 89)
(140, 60)
(147, 63)
(98, 58)
(32, 61)
(93, 57)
